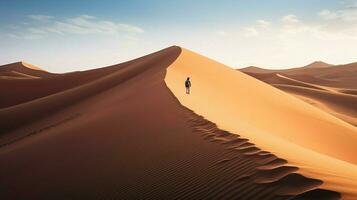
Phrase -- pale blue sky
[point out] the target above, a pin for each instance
(62, 36)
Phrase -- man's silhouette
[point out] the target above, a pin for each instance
(188, 85)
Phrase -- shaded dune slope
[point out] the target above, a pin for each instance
(23, 68)
(348, 91)
(15, 75)
(16, 116)
(125, 136)
(24, 90)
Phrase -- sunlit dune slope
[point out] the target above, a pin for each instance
(343, 106)
(321, 144)
(30, 66)
(339, 102)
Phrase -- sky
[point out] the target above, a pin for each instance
(72, 35)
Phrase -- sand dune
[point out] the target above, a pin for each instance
(318, 65)
(343, 106)
(120, 132)
(339, 76)
(27, 90)
(304, 83)
(23, 68)
(321, 145)
(275, 78)
(15, 74)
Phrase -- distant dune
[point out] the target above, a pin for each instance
(330, 88)
(27, 70)
(129, 131)
(340, 76)
(314, 65)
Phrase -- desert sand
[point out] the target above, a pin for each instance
(129, 131)
(328, 87)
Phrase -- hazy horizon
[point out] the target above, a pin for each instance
(78, 35)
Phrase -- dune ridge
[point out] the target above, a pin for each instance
(273, 120)
(110, 138)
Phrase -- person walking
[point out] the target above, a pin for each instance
(188, 85)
